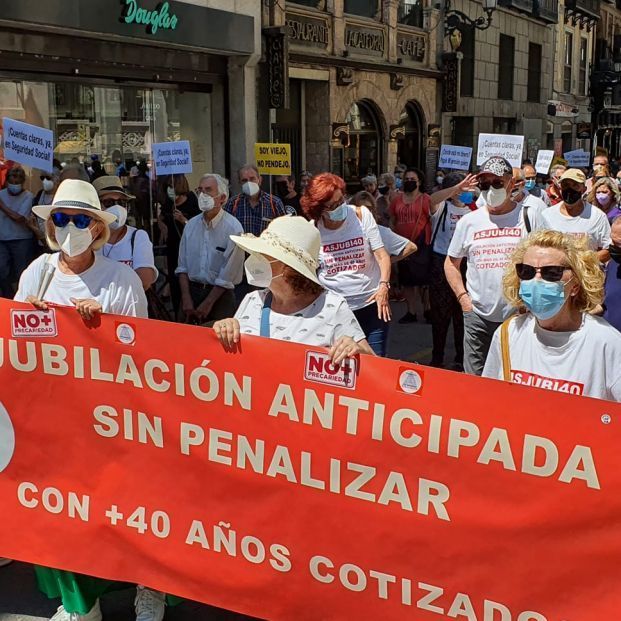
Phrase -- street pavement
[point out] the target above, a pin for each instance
(20, 599)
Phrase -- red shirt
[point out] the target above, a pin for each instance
(412, 219)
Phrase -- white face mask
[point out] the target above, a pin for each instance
(494, 197)
(48, 185)
(205, 202)
(72, 240)
(171, 193)
(439, 180)
(259, 271)
(250, 188)
(121, 216)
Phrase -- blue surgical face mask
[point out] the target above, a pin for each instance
(543, 299)
(466, 197)
(14, 188)
(530, 184)
(398, 182)
(339, 214)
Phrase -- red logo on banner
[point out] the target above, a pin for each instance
(33, 323)
(319, 368)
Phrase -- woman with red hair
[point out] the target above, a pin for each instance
(352, 259)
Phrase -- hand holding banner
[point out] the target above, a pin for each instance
(296, 494)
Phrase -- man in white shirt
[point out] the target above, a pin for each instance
(533, 206)
(530, 184)
(127, 244)
(210, 264)
(578, 218)
(486, 238)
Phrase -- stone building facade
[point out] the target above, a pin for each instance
(502, 83)
(363, 83)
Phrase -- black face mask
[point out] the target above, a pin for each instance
(571, 196)
(410, 186)
(615, 253)
(383, 190)
(282, 189)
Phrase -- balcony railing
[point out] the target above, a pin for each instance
(587, 8)
(525, 6)
(547, 10)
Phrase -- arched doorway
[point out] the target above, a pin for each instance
(363, 154)
(410, 145)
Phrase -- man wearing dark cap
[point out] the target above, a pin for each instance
(486, 238)
(575, 217)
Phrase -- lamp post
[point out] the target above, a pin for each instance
(453, 19)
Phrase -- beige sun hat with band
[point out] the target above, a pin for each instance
(291, 239)
(75, 194)
(110, 183)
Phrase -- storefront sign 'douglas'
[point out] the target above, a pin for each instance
(159, 18)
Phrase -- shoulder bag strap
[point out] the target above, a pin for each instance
(132, 242)
(527, 219)
(235, 205)
(441, 223)
(265, 315)
(504, 348)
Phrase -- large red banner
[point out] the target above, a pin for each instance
(268, 482)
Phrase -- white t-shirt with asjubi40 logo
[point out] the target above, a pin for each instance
(584, 362)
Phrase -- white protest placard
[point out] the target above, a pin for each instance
(172, 158)
(455, 158)
(544, 160)
(503, 145)
(578, 158)
(27, 144)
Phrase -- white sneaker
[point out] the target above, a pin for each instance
(4, 561)
(94, 614)
(150, 605)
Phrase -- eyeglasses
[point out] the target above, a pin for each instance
(44, 177)
(81, 220)
(109, 202)
(496, 184)
(551, 273)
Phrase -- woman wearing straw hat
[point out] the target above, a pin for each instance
(76, 276)
(292, 306)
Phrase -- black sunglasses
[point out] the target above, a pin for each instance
(81, 220)
(109, 202)
(496, 184)
(551, 273)
(43, 177)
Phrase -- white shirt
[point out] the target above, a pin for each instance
(347, 264)
(208, 255)
(393, 243)
(584, 362)
(142, 255)
(591, 223)
(487, 242)
(445, 226)
(321, 323)
(114, 285)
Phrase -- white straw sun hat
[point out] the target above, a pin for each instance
(291, 239)
(75, 194)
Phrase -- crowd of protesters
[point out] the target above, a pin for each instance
(526, 270)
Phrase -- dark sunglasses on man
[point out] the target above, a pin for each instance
(485, 184)
(109, 202)
(550, 273)
(43, 177)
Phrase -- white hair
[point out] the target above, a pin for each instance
(221, 182)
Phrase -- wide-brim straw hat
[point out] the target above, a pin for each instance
(110, 183)
(291, 239)
(78, 195)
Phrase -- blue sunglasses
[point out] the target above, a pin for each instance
(81, 220)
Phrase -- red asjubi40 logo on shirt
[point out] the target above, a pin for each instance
(319, 368)
(33, 323)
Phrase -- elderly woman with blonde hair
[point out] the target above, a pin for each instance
(557, 345)
(605, 194)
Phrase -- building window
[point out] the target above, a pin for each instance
(365, 8)
(569, 48)
(582, 72)
(533, 91)
(466, 81)
(506, 65)
(411, 13)
(315, 4)
(463, 130)
(362, 156)
(504, 125)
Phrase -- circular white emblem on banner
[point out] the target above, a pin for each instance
(7, 438)
(410, 381)
(125, 333)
